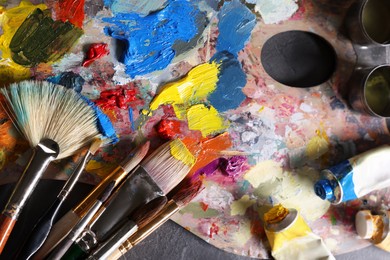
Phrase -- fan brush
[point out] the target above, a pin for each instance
(56, 122)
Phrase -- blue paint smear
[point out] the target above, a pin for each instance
(131, 118)
(236, 23)
(231, 80)
(149, 39)
(103, 122)
(69, 80)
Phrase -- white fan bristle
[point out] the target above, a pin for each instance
(41, 109)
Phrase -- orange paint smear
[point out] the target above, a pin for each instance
(7, 141)
(203, 206)
(70, 10)
(206, 150)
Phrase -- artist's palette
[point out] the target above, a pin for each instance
(213, 49)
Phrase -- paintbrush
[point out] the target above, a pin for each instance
(41, 230)
(75, 232)
(178, 201)
(70, 219)
(155, 177)
(140, 217)
(56, 122)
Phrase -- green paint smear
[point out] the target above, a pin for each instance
(41, 39)
(197, 212)
(333, 220)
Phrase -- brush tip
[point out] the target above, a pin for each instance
(169, 164)
(135, 157)
(188, 192)
(145, 213)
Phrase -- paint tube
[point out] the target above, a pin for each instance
(291, 238)
(355, 177)
(374, 227)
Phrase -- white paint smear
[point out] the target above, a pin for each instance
(275, 11)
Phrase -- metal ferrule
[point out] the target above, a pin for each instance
(71, 182)
(45, 152)
(137, 190)
(87, 240)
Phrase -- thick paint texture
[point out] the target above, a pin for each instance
(70, 10)
(169, 128)
(10, 21)
(236, 23)
(205, 119)
(149, 39)
(194, 87)
(180, 152)
(206, 150)
(95, 51)
(120, 98)
(104, 124)
(140, 7)
(41, 39)
(231, 80)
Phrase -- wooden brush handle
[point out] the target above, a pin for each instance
(6, 226)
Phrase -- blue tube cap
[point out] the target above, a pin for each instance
(324, 189)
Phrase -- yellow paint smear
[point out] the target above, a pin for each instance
(101, 169)
(239, 207)
(180, 152)
(10, 20)
(263, 172)
(194, 87)
(205, 119)
(277, 240)
(317, 146)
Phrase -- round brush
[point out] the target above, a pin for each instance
(56, 122)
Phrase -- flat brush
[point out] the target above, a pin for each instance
(61, 228)
(178, 201)
(41, 230)
(56, 122)
(66, 243)
(141, 216)
(157, 175)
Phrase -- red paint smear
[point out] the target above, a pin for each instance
(204, 206)
(169, 128)
(213, 230)
(206, 150)
(299, 13)
(70, 10)
(95, 51)
(110, 99)
(257, 227)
